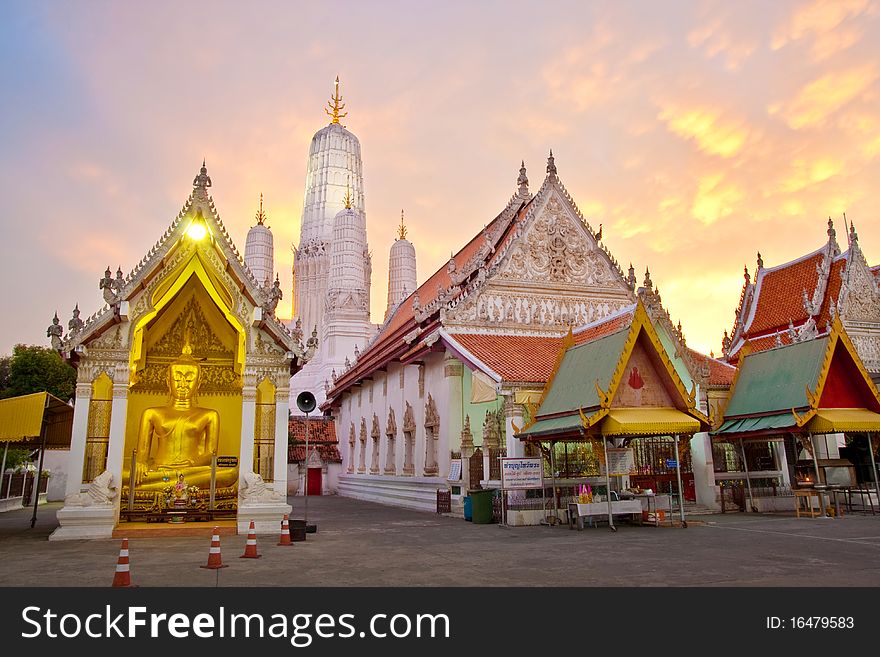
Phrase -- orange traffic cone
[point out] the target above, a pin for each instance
(214, 559)
(123, 574)
(285, 532)
(250, 549)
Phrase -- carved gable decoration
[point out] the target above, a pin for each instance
(859, 299)
(549, 274)
(432, 418)
(556, 248)
(409, 419)
(217, 373)
(391, 426)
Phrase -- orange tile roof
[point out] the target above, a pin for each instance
(604, 327)
(522, 358)
(779, 292)
(321, 430)
(530, 358)
(720, 373)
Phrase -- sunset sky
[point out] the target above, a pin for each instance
(696, 133)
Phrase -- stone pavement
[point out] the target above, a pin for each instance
(364, 544)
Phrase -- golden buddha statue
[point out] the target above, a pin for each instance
(180, 439)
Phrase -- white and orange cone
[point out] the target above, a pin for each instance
(215, 561)
(250, 548)
(123, 574)
(285, 532)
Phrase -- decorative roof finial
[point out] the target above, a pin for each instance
(347, 199)
(261, 216)
(746, 274)
(523, 181)
(760, 261)
(599, 234)
(401, 232)
(832, 234)
(336, 105)
(853, 236)
(551, 164)
(203, 180)
(648, 284)
(631, 277)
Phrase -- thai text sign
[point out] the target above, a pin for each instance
(621, 461)
(227, 461)
(521, 473)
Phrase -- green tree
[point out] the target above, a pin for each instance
(37, 369)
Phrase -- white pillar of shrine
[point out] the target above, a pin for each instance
(116, 444)
(282, 405)
(77, 456)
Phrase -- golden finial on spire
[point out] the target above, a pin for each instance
(261, 216)
(336, 105)
(401, 233)
(347, 198)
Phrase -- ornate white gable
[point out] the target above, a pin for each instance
(859, 306)
(549, 274)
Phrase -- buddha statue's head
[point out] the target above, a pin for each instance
(184, 375)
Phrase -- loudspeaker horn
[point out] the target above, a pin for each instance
(305, 401)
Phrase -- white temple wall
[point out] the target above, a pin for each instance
(415, 491)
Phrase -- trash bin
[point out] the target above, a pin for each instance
(297, 530)
(468, 509)
(481, 505)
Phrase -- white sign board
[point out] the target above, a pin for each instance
(454, 470)
(522, 473)
(621, 461)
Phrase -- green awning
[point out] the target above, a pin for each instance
(749, 424)
(552, 425)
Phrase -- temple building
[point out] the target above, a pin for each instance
(182, 388)
(453, 372)
(332, 265)
(799, 300)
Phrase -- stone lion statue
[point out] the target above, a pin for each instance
(257, 491)
(101, 492)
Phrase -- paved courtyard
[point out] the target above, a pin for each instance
(364, 544)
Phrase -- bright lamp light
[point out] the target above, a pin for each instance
(197, 230)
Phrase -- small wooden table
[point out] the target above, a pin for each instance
(806, 494)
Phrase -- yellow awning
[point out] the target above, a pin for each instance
(648, 422)
(22, 419)
(834, 420)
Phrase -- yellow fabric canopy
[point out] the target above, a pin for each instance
(834, 420)
(648, 422)
(22, 419)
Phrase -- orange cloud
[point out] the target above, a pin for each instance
(713, 133)
(828, 23)
(715, 39)
(715, 199)
(819, 99)
(806, 173)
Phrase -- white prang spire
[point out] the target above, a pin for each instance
(401, 269)
(259, 250)
(334, 168)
